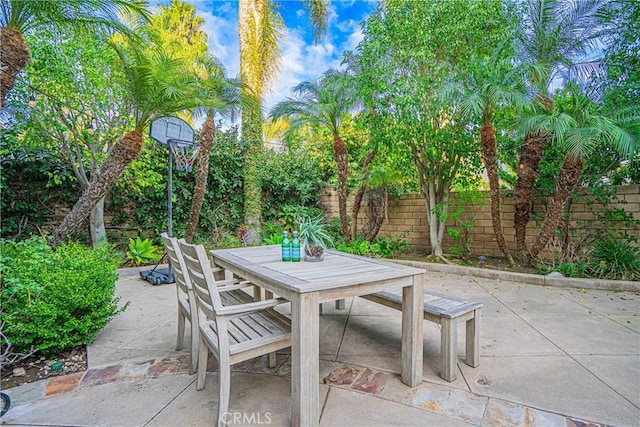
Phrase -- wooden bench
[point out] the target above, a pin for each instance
(446, 311)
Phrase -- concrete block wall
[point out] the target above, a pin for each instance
(409, 214)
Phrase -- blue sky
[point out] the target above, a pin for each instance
(301, 58)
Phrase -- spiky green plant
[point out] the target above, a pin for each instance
(314, 235)
(615, 259)
(142, 251)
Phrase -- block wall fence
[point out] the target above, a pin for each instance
(409, 214)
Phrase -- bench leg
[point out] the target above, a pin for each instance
(449, 343)
(472, 354)
(340, 304)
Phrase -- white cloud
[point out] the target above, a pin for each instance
(300, 62)
(222, 31)
(354, 39)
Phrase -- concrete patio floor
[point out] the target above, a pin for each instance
(549, 357)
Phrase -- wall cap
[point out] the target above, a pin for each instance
(531, 279)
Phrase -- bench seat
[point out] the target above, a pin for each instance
(446, 311)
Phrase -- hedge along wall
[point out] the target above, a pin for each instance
(410, 214)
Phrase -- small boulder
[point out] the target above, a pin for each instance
(555, 274)
(19, 372)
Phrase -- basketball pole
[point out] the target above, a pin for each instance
(170, 196)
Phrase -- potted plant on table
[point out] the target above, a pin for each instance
(314, 237)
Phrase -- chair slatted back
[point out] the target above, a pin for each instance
(177, 263)
(201, 276)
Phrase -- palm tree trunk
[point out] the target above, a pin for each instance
(123, 152)
(489, 152)
(377, 214)
(202, 174)
(252, 141)
(567, 179)
(342, 161)
(14, 56)
(250, 12)
(530, 156)
(357, 201)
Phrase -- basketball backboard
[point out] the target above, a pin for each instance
(169, 127)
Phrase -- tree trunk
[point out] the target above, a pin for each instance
(202, 173)
(567, 179)
(357, 201)
(252, 141)
(342, 161)
(489, 152)
(434, 197)
(250, 12)
(377, 212)
(123, 152)
(96, 224)
(14, 56)
(530, 156)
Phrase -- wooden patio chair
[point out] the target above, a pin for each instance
(187, 309)
(233, 333)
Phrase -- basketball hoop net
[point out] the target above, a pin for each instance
(184, 154)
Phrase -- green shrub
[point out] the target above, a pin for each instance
(615, 259)
(55, 300)
(573, 269)
(384, 247)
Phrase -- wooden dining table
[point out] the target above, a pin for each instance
(306, 285)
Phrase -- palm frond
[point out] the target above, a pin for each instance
(317, 10)
(104, 15)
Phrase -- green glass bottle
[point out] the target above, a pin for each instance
(286, 246)
(295, 248)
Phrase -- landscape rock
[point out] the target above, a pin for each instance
(555, 274)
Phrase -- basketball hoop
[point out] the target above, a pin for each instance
(178, 136)
(184, 153)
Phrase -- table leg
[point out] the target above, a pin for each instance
(305, 363)
(412, 322)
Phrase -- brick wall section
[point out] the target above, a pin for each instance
(409, 214)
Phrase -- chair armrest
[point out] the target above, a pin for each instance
(233, 310)
(232, 285)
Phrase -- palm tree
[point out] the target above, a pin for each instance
(493, 92)
(554, 36)
(578, 129)
(157, 85)
(325, 102)
(19, 16)
(223, 96)
(260, 30)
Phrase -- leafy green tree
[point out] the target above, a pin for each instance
(409, 52)
(87, 114)
(622, 55)
(156, 85)
(260, 30)
(20, 16)
(325, 102)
